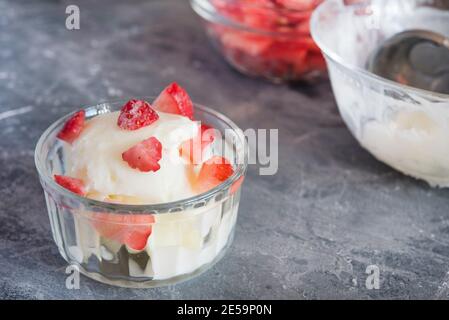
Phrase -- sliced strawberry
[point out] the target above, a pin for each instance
(213, 172)
(251, 44)
(71, 184)
(286, 51)
(192, 149)
(145, 155)
(315, 61)
(260, 17)
(136, 114)
(295, 24)
(259, 14)
(303, 28)
(174, 99)
(73, 127)
(130, 229)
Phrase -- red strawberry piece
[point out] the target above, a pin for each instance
(174, 99)
(312, 46)
(285, 57)
(295, 24)
(303, 28)
(213, 172)
(71, 184)
(193, 149)
(73, 127)
(260, 17)
(145, 155)
(292, 52)
(130, 229)
(136, 114)
(249, 43)
(259, 14)
(315, 61)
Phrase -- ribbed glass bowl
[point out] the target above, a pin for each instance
(187, 236)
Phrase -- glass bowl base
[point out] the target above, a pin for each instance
(143, 284)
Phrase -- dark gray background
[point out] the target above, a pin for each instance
(308, 232)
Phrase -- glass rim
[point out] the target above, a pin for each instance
(338, 59)
(142, 208)
(207, 11)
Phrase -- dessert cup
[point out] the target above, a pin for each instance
(186, 237)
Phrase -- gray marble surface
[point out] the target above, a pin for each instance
(308, 232)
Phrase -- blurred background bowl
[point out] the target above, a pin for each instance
(263, 39)
(405, 127)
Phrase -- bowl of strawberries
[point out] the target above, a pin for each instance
(264, 38)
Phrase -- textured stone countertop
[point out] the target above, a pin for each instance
(310, 231)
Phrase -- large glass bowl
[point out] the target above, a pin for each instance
(186, 237)
(405, 127)
(262, 39)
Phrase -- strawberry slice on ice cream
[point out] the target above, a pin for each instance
(145, 155)
(174, 99)
(130, 229)
(72, 184)
(213, 172)
(136, 114)
(73, 127)
(192, 149)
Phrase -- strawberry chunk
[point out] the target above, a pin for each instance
(73, 127)
(136, 114)
(130, 229)
(174, 99)
(213, 172)
(71, 184)
(251, 44)
(315, 61)
(260, 14)
(145, 155)
(192, 149)
(292, 53)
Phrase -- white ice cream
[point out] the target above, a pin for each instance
(413, 142)
(96, 158)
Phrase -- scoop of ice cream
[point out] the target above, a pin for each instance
(96, 158)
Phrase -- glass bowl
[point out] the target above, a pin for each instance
(405, 127)
(262, 39)
(186, 237)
